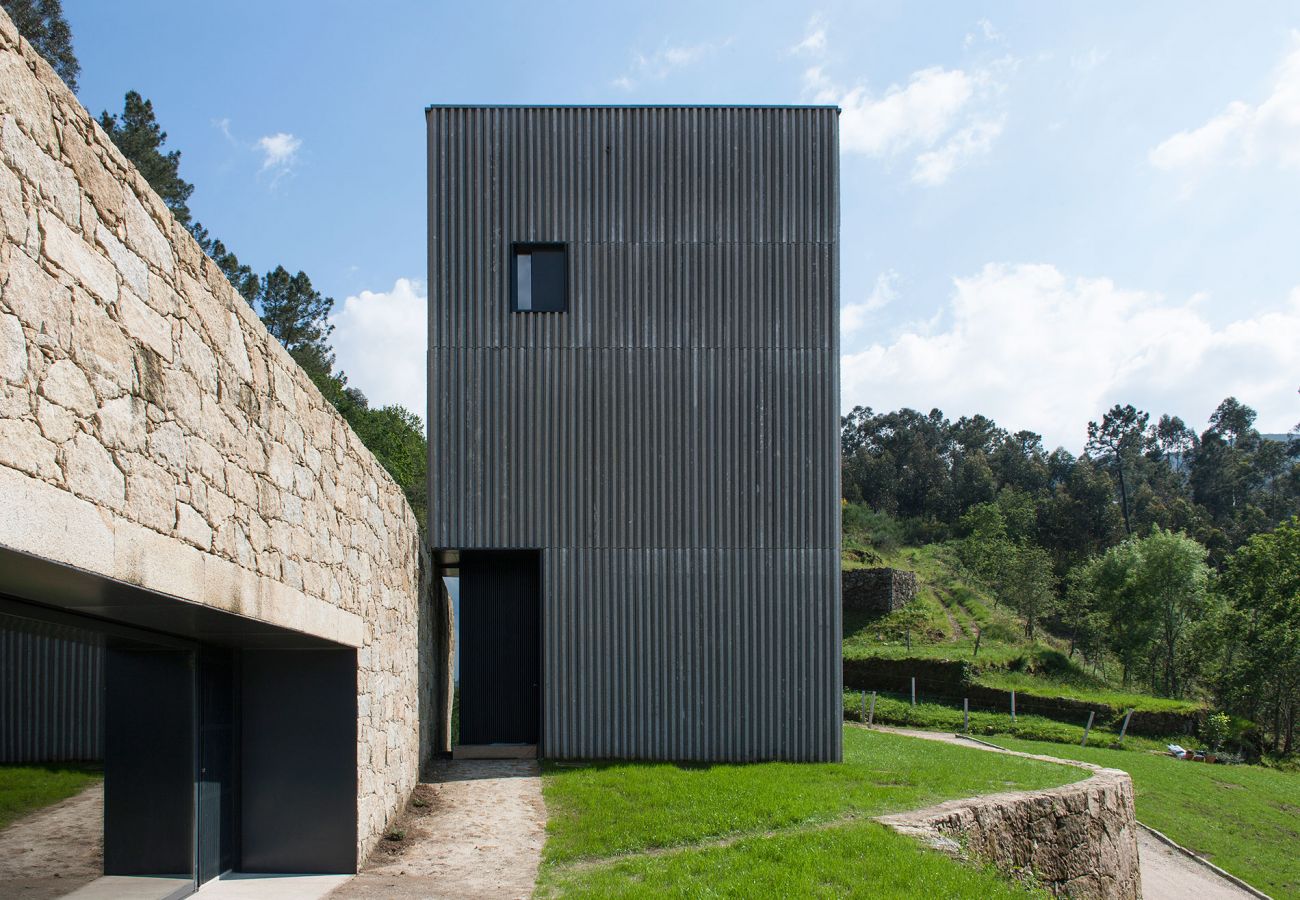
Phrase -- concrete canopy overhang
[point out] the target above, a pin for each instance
(64, 589)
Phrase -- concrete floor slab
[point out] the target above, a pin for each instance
(130, 887)
(244, 886)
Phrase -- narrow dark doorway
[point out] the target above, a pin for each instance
(500, 647)
(217, 817)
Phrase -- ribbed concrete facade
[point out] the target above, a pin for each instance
(670, 442)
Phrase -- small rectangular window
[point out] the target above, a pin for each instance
(539, 278)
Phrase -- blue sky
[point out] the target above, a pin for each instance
(1047, 208)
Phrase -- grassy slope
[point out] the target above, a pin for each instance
(949, 611)
(937, 717)
(861, 859)
(24, 789)
(1245, 819)
(602, 811)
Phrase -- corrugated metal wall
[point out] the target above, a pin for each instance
(51, 693)
(671, 442)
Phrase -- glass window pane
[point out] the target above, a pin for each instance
(524, 281)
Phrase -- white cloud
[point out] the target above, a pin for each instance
(279, 152)
(986, 31)
(855, 316)
(380, 341)
(1244, 134)
(936, 105)
(814, 40)
(663, 62)
(934, 166)
(1037, 349)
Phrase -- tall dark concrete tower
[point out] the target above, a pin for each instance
(634, 426)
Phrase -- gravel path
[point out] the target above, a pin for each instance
(54, 850)
(479, 835)
(1166, 873)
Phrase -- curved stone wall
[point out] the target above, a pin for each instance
(153, 432)
(1078, 840)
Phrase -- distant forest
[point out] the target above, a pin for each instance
(1175, 554)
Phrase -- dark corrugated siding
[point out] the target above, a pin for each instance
(51, 694)
(671, 442)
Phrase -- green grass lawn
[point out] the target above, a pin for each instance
(796, 826)
(860, 859)
(24, 789)
(939, 717)
(1245, 819)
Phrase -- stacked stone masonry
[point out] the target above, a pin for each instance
(877, 590)
(152, 431)
(1078, 841)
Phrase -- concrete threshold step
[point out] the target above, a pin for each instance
(494, 751)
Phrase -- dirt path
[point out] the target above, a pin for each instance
(957, 630)
(1166, 873)
(479, 835)
(54, 850)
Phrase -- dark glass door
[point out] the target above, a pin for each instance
(216, 783)
(500, 647)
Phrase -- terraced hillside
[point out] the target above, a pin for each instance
(959, 644)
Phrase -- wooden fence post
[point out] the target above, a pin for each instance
(871, 714)
(1013, 706)
(1124, 728)
(965, 715)
(1088, 727)
(914, 690)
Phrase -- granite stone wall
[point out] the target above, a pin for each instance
(153, 432)
(1078, 840)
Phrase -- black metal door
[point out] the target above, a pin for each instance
(148, 762)
(500, 647)
(216, 782)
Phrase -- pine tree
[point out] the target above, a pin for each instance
(42, 23)
(297, 315)
(140, 138)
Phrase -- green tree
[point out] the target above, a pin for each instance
(986, 550)
(1121, 434)
(1173, 577)
(1260, 674)
(1130, 621)
(241, 277)
(297, 315)
(137, 134)
(42, 23)
(1031, 587)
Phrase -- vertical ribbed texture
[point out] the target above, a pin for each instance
(51, 693)
(671, 442)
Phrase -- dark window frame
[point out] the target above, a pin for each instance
(518, 248)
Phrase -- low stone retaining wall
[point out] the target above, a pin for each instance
(1078, 841)
(877, 590)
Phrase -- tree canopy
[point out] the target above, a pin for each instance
(42, 23)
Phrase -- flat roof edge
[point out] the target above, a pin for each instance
(792, 106)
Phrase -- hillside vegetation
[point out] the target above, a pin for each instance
(951, 612)
(1158, 571)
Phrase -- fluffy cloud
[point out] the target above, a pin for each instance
(1244, 134)
(934, 166)
(854, 317)
(380, 341)
(663, 62)
(1035, 348)
(941, 115)
(279, 152)
(814, 40)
